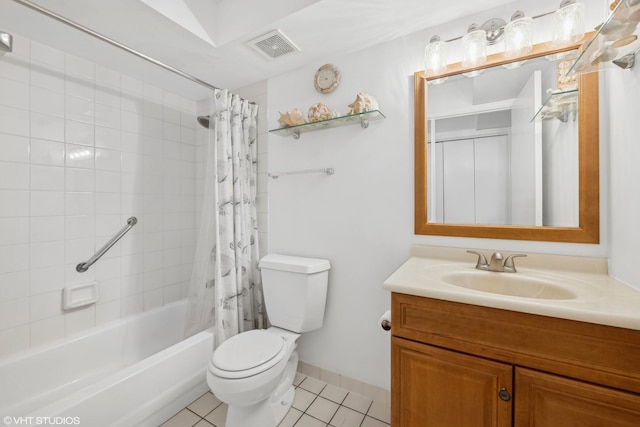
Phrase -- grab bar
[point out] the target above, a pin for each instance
(84, 266)
(276, 175)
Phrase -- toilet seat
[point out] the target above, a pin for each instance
(248, 354)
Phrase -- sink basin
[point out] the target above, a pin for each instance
(512, 284)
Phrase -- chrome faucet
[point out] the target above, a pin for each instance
(496, 263)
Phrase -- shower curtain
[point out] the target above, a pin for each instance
(225, 290)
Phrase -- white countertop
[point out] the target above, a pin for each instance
(599, 298)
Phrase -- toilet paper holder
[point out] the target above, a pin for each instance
(385, 320)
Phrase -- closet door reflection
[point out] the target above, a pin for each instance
(472, 180)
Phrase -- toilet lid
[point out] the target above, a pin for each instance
(247, 350)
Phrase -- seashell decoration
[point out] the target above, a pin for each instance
(319, 112)
(291, 118)
(363, 103)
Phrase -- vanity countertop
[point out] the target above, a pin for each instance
(600, 298)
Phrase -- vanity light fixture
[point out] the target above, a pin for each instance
(435, 60)
(518, 36)
(568, 23)
(474, 47)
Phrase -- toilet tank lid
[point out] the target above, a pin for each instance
(294, 264)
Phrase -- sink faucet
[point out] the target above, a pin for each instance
(496, 263)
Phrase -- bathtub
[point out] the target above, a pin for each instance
(134, 372)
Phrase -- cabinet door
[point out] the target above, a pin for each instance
(433, 387)
(545, 400)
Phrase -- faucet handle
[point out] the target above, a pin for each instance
(509, 265)
(482, 260)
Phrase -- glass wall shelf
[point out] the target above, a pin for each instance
(559, 105)
(360, 118)
(616, 42)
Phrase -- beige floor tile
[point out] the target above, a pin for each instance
(303, 399)
(346, 417)
(313, 385)
(204, 423)
(291, 418)
(218, 416)
(372, 422)
(323, 409)
(298, 379)
(308, 421)
(380, 411)
(334, 393)
(184, 418)
(357, 402)
(204, 404)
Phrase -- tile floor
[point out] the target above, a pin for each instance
(317, 404)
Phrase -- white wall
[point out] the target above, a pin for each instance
(623, 90)
(361, 219)
(82, 148)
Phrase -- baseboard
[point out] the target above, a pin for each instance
(377, 394)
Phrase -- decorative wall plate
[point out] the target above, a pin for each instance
(327, 78)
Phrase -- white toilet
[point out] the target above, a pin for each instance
(253, 371)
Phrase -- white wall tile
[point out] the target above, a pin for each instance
(14, 121)
(80, 156)
(14, 285)
(14, 148)
(14, 313)
(47, 330)
(44, 203)
(47, 55)
(47, 178)
(46, 152)
(14, 94)
(108, 159)
(83, 147)
(107, 138)
(44, 126)
(47, 229)
(80, 133)
(14, 340)
(47, 254)
(46, 305)
(79, 109)
(14, 176)
(79, 180)
(79, 204)
(46, 101)
(80, 320)
(14, 258)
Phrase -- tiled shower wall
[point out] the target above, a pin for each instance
(82, 148)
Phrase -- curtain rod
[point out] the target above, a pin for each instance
(119, 45)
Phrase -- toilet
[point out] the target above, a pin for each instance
(253, 371)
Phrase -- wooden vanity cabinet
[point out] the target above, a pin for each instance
(463, 365)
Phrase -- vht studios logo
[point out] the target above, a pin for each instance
(41, 421)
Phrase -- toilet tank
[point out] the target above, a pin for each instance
(295, 291)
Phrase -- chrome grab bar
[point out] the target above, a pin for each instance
(84, 266)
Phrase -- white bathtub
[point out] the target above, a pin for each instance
(134, 372)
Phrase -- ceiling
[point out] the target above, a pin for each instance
(208, 38)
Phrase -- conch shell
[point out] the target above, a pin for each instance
(363, 103)
(291, 118)
(320, 112)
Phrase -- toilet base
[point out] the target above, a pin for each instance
(271, 411)
(263, 414)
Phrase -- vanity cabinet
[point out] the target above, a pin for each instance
(456, 364)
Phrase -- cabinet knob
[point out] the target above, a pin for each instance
(504, 394)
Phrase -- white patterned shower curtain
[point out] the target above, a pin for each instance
(225, 290)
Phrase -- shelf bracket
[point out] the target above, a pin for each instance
(364, 123)
(296, 134)
(626, 62)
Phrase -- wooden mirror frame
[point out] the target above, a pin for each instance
(588, 229)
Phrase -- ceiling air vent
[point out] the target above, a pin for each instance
(274, 44)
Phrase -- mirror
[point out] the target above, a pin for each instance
(511, 153)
